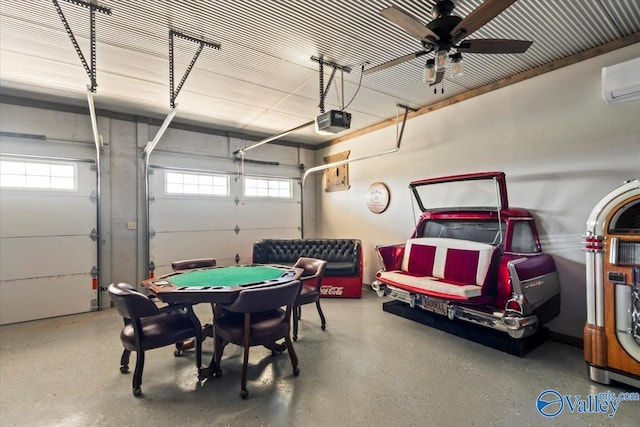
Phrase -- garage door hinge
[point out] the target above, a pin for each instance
(236, 200)
(94, 272)
(152, 198)
(152, 266)
(152, 233)
(237, 229)
(94, 235)
(93, 196)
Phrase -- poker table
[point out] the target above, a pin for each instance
(217, 285)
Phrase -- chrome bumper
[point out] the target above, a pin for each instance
(516, 326)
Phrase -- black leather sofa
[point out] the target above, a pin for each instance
(343, 276)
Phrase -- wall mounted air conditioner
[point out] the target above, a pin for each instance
(621, 82)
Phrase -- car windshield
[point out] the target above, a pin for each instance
(458, 194)
(474, 230)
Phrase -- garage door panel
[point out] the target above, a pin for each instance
(23, 300)
(46, 256)
(46, 252)
(63, 215)
(193, 214)
(203, 226)
(189, 214)
(268, 214)
(174, 246)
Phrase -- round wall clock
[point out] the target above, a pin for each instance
(378, 197)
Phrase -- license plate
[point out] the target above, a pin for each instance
(434, 305)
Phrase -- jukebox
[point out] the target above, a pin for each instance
(612, 245)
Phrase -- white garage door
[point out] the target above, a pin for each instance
(46, 251)
(208, 214)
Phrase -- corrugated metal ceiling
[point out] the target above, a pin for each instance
(262, 81)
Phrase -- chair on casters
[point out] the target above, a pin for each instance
(190, 264)
(147, 327)
(256, 318)
(310, 290)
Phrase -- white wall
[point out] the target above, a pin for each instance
(561, 147)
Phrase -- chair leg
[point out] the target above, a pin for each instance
(324, 323)
(183, 346)
(295, 322)
(137, 373)
(292, 355)
(124, 361)
(244, 393)
(199, 340)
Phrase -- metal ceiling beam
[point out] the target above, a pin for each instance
(201, 44)
(90, 69)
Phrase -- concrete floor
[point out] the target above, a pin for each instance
(369, 368)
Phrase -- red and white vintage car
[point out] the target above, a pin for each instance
(479, 261)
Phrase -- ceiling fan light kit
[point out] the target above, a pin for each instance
(447, 32)
(457, 65)
(429, 74)
(441, 60)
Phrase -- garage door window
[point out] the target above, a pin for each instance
(178, 183)
(40, 175)
(268, 187)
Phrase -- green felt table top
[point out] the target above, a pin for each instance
(226, 276)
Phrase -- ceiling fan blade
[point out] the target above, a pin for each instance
(439, 77)
(480, 16)
(408, 23)
(395, 62)
(494, 46)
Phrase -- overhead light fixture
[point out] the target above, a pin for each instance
(429, 74)
(457, 65)
(441, 60)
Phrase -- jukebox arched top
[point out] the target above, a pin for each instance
(627, 219)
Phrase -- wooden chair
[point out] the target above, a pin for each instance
(256, 318)
(190, 264)
(147, 327)
(311, 280)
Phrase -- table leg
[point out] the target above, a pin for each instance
(207, 330)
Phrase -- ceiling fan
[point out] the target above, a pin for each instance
(447, 32)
